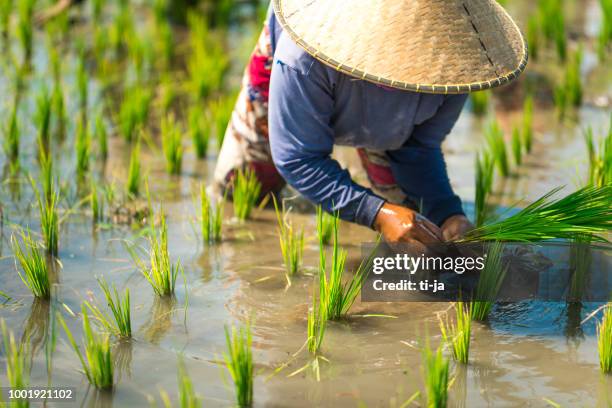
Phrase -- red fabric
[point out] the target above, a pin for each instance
(378, 174)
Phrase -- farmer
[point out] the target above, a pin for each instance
(388, 77)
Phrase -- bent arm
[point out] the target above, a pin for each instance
(302, 141)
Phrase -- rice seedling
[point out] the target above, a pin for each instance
(220, 11)
(6, 8)
(497, 148)
(18, 364)
(221, 111)
(161, 273)
(480, 102)
(600, 158)
(560, 100)
(97, 203)
(82, 146)
(160, 9)
(489, 283)
(49, 219)
(97, 6)
(458, 334)
(134, 111)
(239, 362)
(133, 181)
(96, 360)
(164, 44)
(573, 80)
(47, 176)
(605, 33)
(604, 340)
(12, 137)
(199, 131)
(35, 269)
(291, 243)
(246, 191)
(552, 19)
(42, 117)
(82, 80)
(580, 266)
(527, 125)
(172, 144)
(211, 218)
(25, 27)
(484, 185)
(533, 37)
(118, 322)
(326, 227)
(584, 212)
(101, 136)
(436, 376)
(517, 146)
(58, 108)
(317, 324)
(168, 95)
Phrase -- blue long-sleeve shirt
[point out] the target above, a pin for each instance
(312, 107)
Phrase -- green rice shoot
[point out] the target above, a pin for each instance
(118, 322)
(326, 227)
(42, 117)
(484, 185)
(527, 124)
(457, 334)
(96, 359)
(132, 186)
(291, 242)
(317, 324)
(97, 203)
(489, 283)
(517, 146)
(480, 102)
(161, 273)
(25, 27)
(188, 398)
(586, 211)
(239, 362)
(497, 148)
(604, 340)
(172, 144)
(134, 111)
(101, 136)
(436, 376)
(221, 110)
(246, 191)
(199, 131)
(49, 219)
(211, 218)
(600, 158)
(12, 137)
(18, 364)
(33, 264)
(83, 148)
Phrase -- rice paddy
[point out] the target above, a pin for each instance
(110, 97)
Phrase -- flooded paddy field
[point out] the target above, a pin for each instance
(526, 354)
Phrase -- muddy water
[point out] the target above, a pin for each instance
(527, 353)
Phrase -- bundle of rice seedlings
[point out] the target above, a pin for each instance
(96, 360)
(605, 33)
(199, 130)
(480, 102)
(484, 185)
(436, 376)
(527, 126)
(600, 159)
(211, 218)
(239, 362)
(221, 110)
(18, 364)
(6, 8)
(82, 80)
(59, 109)
(583, 212)
(573, 78)
(497, 148)
(49, 219)
(580, 265)
(82, 146)
(133, 181)
(168, 94)
(42, 117)
(458, 333)
(164, 45)
(552, 20)
(489, 283)
(25, 27)
(118, 322)
(97, 203)
(172, 144)
(517, 148)
(134, 111)
(97, 6)
(533, 36)
(161, 273)
(317, 323)
(245, 194)
(188, 398)
(325, 225)
(604, 340)
(12, 137)
(291, 243)
(101, 136)
(35, 270)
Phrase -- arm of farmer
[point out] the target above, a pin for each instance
(420, 170)
(301, 140)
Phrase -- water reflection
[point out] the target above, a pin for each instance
(95, 398)
(160, 319)
(122, 356)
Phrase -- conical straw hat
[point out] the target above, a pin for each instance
(432, 46)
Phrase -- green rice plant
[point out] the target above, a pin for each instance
(317, 324)
(122, 28)
(161, 273)
(458, 334)
(49, 219)
(484, 186)
(221, 111)
(96, 360)
(533, 36)
(82, 80)
(18, 364)
(246, 192)
(164, 45)
(58, 108)
(604, 340)
(527, 125)
(11, 137)
(160, 9)
(560, 100)
(118, 322)
(600, 158)
(42, 117)
(436, 376)
(552, 19)
(25, 27)
(573, 78)
(188, 398)
(211, 218)
(605, 33)
(47, 179)
(517, 146)
(82, 146)
(199, 131)
(172, 144)
(97, 7)
(101, 136)
(133, 181)
(6, 8)
(239, 362)
(326, 227)
(97, 203)
(219, 12)
(35, 270)
(497, 148)
(168, 94)
(134, 111)
(291, 243)
(489, 283)
(480, 102)
(584, 212)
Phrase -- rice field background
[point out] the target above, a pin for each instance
(123, 276)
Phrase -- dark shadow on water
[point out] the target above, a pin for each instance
(36, 327)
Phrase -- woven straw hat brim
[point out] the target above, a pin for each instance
(430, 46)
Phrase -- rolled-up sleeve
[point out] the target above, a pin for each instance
(302, 140)
(419, 167)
